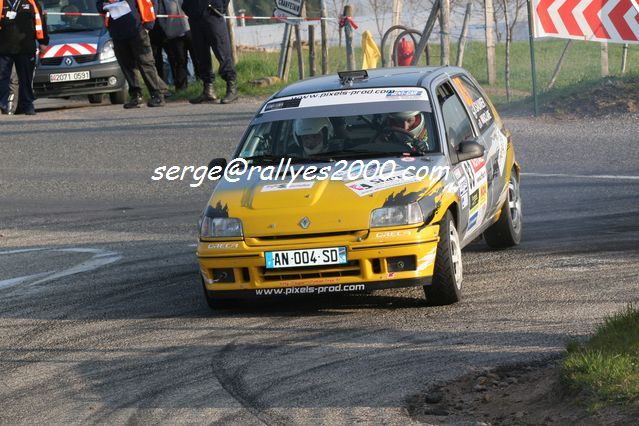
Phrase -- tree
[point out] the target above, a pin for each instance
(510, 21)
(381, 10)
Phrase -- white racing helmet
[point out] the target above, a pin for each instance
(313, 126)
(417, 128)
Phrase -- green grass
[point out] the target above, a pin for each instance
(606, 368)
(581, 68)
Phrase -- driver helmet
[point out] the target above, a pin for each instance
(411, 121)
(313, 134)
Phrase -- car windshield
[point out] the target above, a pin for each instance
(57, 23)
(342, 137)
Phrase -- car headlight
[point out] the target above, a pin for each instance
(215, 227)
(107, 54)
(396, 215)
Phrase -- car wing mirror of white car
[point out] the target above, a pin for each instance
(467, 150)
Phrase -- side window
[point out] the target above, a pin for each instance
(476, 103)
(456, 121)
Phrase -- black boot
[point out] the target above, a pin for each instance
(207, 96)
(231, 92)
(134, 102)
(157, 100)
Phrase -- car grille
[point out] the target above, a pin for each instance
(51, 61)
(80, 59)
(352, 268)
(83, 59)
(318, 238)
(69, 85)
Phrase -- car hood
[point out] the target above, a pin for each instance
(79, 37)
(277, 207)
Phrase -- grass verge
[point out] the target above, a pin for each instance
(605, 369)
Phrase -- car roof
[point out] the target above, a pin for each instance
(378, 77)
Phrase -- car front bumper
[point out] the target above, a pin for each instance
(237, 268)
(98, 83)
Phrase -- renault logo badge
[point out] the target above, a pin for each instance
(68, 61)
(305, 223)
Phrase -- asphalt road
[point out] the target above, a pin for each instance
(101, 314)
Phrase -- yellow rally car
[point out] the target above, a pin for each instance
(361, 181)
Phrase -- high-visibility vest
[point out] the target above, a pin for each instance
(147, 12)
(37, 19)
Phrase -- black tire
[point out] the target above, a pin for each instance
(446, 285)
(119, 98)
(506, 232)
(96, 99)
(213, 303)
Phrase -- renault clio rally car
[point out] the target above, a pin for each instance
(349, 229)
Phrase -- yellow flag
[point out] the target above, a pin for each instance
(370, 51)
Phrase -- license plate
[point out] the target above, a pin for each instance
(69, 76)
(309, 257)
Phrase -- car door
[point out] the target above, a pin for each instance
(490, 135)
(470, 176)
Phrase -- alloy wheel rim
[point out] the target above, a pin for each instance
(455, 252)
(514, 203)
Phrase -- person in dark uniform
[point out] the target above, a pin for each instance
(209, 31)
(169, 34)
(132, 48)
(22, 25)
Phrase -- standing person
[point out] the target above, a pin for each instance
(170, 34)
(21, 26)
(128, 26)
(209, 31)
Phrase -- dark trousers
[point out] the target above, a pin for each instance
(136, 52)
(24, 65)
(176, 51)
(188, 39)
(210, 32)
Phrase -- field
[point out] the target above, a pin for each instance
(581, 68)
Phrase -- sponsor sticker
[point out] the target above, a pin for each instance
(324, 289)
(223, 246)
(365, 187)
(500, 140)
(427, 260)
(348, 96)
(287, 186)
(472, 222)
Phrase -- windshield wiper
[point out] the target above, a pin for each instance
(359, 153)
(71, 30)
(268, 158)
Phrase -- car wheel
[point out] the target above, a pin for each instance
(211, 301)
(118, 98)
(446, 286)
(96, 99)
(506, 232)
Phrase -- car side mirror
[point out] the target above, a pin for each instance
(218, 162)
(467, 150)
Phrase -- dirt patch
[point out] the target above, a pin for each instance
(609, 96)
(521, 395)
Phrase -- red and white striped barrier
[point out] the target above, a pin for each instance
(260, 18)
(596, 20)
